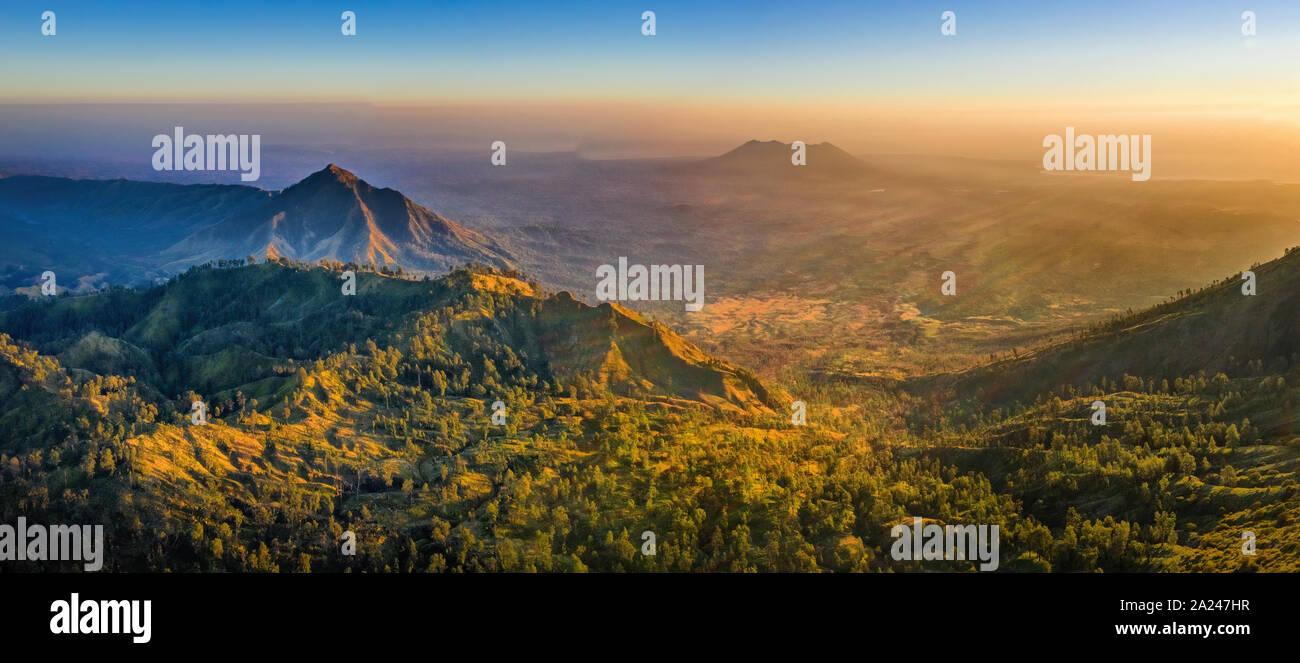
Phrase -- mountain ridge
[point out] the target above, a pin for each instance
(125, 231)
(174, 330)
(332, 214)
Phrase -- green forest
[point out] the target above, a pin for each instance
(373, 414)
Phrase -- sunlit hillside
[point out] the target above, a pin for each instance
(373, 413)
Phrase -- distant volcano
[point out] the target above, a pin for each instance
(773, 157)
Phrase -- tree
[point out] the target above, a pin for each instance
(106, 463)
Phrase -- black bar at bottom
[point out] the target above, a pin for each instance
(907, 612)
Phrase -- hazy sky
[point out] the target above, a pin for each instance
(869, 76)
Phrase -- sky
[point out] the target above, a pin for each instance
(869, 76)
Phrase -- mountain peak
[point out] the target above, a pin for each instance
(332, 173)
(333, 214)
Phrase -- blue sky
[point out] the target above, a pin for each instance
(465, 52)
(869, 76)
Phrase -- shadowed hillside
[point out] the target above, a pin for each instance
(1215, 329)
(107, 231)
